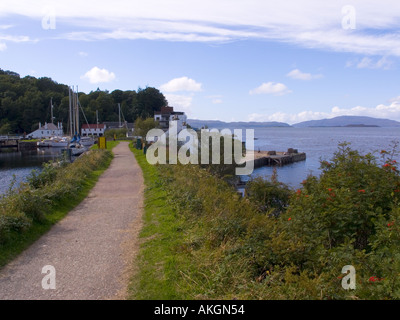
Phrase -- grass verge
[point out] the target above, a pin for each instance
(157, 274)
(18, 241)
(111, 144)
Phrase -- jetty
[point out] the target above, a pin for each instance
(9, 141)
(15, 142)
(275, 158)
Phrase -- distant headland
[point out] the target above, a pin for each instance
(342, 121)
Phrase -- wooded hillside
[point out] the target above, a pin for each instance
(24, 102)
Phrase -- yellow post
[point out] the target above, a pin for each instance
(102, 143)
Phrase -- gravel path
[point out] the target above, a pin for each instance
(92, 249)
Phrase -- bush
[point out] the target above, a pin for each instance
(33, 201)
(118, 133)
(271, 196)
(350, 215)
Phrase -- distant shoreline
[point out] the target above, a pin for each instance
(339, 122)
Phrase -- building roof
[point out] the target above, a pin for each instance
(168, 111)
(50, 126)
(116, 125)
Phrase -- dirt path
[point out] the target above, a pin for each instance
(92, 248)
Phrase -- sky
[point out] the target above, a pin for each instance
(228, 60)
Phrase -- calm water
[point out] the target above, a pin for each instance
(318, 143)
(21, 164)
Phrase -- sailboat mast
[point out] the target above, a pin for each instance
(76, 119)
(119, 114)
(51, 110)
(71, 120)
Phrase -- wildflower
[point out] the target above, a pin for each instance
(361, 191)
(390, 224)
(386, 165)
(330, 189)
(289, 219)
(374, 279)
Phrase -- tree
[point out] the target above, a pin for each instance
(150, 100)
(142, 126)
(24, 102)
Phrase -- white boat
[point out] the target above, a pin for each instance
(77, 149)
(45, 143)
(87, 141)
(53, 142)
(59, 142)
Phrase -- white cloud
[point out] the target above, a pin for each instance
(215, 99)
(97, 75)
(3, 46)
(391, 111)
(369, 63)
(181, 84)
(298, 75)
(278, 89)
(310, 23)
(180, 102)
(83, 54)
(6, 26)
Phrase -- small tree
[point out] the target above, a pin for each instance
(142, 126)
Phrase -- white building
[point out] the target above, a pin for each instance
(168, 114)
(47, 131)
(93, 130)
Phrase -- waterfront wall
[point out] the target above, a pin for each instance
(279, 160)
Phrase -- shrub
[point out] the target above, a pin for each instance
(33, 201)
(349, 215)
(271, 196)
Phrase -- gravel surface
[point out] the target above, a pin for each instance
(92, 249)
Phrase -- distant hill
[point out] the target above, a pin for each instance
(215, 124)
(349, 121)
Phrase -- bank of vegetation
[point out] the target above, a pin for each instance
(27, 211)
(201, 240)
(25, 101)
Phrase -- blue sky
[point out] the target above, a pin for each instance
(230, 60)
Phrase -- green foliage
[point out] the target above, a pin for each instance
(5, 129)
(142, 126)
(223, 168)
(345, 202)
(38, 179)
(34, 201)
(110, 134)
(24, 102)
(271, 196)
(225, 249)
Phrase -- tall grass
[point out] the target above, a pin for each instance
(201, 240)
(31, 209)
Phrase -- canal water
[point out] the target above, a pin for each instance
(18, 165)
